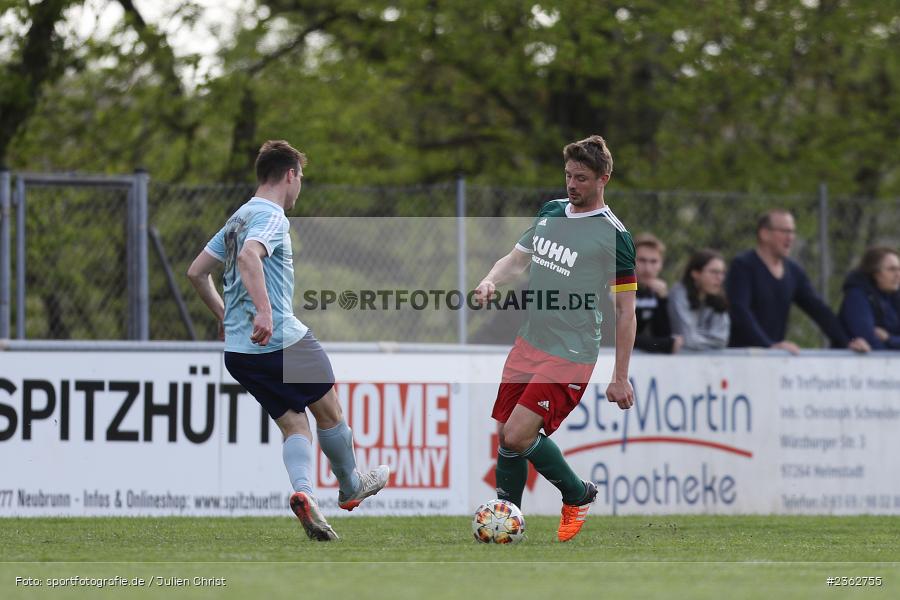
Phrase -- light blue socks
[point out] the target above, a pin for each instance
(337, 444)
(297, 454)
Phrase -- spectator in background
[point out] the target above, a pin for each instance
(698, 310)
(871, 306)
(763, 283)
(653, 331)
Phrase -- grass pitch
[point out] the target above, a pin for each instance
(436, 557)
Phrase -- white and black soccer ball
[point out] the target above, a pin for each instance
(498, 522)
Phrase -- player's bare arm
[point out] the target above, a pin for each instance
(250, 265)
(504, 270)
(199, 275)
(620, 391)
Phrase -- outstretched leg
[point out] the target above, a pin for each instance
(336, 440)
(521, 434)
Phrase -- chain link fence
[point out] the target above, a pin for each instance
(76, 272)
(181, 220)
(77, 259)
(186, 217)
(77, 268)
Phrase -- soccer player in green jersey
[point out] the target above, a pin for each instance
(571, 249)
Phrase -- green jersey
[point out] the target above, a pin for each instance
(575, 258)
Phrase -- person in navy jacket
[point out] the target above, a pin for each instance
(871, 306)
(763, 283)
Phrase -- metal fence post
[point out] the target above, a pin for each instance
(19, 201)
(463, 319)
(24, 183)
(824, 248)
(131, 261)
(5, 255)
(142, 179)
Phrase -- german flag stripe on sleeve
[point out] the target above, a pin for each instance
(624, 283)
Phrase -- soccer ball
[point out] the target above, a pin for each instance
(498, 522)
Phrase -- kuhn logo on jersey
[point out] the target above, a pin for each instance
(403, 425)
(553, 251)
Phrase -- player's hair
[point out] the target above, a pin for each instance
(765, 219)
(592, 153)
(871, 259)
(649, 240)
(698, 262)
(275, 158)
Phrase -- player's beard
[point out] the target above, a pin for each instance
(579, 200)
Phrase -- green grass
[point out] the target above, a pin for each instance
(435, 557)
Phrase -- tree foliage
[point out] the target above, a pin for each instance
(768, 95)
(760, 96)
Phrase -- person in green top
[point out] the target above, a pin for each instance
(577, 250)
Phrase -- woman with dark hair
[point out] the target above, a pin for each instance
(871, 306)
(698, 310)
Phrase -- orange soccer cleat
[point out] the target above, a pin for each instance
(573, 516)
(315, 525)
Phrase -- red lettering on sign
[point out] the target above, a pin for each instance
(403, 425)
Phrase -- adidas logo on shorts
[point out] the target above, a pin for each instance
(545, 404)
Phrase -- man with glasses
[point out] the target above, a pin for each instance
(763, 283)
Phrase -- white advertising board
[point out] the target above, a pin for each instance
(158, 433)
(725, 434)
(170, 433)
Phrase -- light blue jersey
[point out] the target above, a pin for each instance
(263, 221)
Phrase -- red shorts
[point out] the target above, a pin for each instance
(547, 385)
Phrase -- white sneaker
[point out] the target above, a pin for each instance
(315, 525)
(369, 484)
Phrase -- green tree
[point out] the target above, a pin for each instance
(36, 59)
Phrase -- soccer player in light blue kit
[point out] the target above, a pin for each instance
(268, 350)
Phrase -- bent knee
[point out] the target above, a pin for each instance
(327, 410)
(517, 440)
(327, 422)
